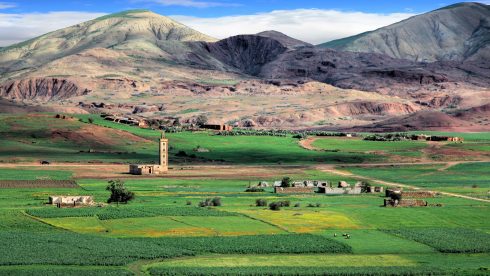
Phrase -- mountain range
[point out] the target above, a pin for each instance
(141, 63)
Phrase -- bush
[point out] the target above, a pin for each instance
(254, 190)
(119, 193)
(216, 201)
(188, 202)
(275, 206)
(297, 205)
(260, 202)
(286, 182)
(314, 205)
(181, 153)
(201, 120)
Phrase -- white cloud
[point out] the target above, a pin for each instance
(190, 3)
(19, 27)
(310, 25)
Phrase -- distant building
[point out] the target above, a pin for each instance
(220, 127)
(71, 200)
(161, 168)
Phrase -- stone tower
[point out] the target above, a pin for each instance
(163, 153)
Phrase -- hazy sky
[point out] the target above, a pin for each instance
(314, 21)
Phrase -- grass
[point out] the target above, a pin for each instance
(33, 174)
(359, 145)
(432, 176)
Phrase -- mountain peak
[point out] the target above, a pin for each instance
(284, 39)
(457, 32)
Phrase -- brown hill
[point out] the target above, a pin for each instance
(423, 120)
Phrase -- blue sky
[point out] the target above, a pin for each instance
(313, 21)
(214, 8)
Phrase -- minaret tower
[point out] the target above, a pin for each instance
(163, 153)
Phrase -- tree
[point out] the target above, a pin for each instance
(119, 193)
(201, 120)
(286, 182)
(177, 122)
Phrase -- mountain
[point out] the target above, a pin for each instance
(139, 63)
(459, 32)
(140, 30)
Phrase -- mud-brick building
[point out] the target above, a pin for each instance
(150, 169)
(220, 127)
(71, 200)
(405, 203)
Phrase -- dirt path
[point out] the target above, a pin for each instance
(333, 170)
(308, 143)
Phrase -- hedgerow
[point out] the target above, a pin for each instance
(448, 240)
(302, 270)
(106, 213)
(258, 244)
(67, 248)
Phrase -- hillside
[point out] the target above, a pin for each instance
(458, 32)
(139, 62)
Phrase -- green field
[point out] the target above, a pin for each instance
(466, 178)
(164, 232)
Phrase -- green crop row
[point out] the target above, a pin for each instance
(282, 270)
(66, 248)
(63, 271)
(448, 240)
(124, 212)
(259, 244)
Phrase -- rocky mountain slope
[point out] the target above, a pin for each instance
(460, 32)
(138, 60)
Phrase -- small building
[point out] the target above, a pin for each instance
(404, 203)
(375, 189)
(294, 190)
(71, 200)
(339, 190)
(220, 127)
(418, 194)
(343, 184)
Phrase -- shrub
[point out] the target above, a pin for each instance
(286, 182)
(119, 193)
(181, 153)
(254, 190)
(275, 206)
(314, 205)
(297, 205)
(188, 202)
(201, 120)
(260, 202)
(216, 201)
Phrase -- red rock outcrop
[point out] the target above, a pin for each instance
(43, 89)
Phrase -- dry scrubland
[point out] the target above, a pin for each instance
(164, 232)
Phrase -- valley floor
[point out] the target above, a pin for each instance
(164, 232)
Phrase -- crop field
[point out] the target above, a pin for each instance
(164, 231)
